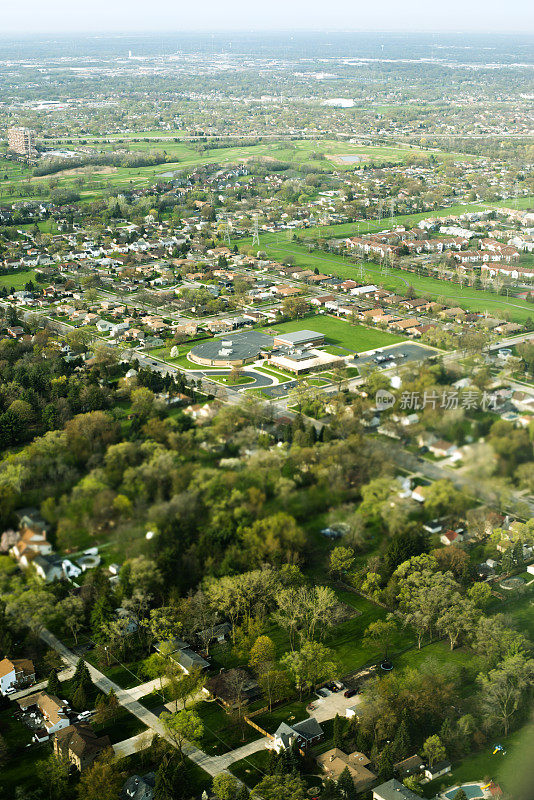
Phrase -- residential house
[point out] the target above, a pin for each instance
(48, 568)
(409, 766)
(52, 710)
(233, 686)
(139, 788)
(442, 449)
(419, 493)
(304, 734)
(79, 745)
(451, 537)
(31, 544)
(15, 674)
(437, 770)
(335, 761)
(394, 790)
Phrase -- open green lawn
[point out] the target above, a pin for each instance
(15, 733)
(17, 279)
(251, 770)
(356, 338)
(289, 712)
(521, 611)
(225, 379)
(124, 726)
(222, 732)
(276, 373)
(506, 770)
(397, 280)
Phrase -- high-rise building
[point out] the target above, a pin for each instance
(22, 142)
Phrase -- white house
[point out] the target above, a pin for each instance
(15, 674)
(451, 537)
(439, 769)
(52, 710)
(48, 568)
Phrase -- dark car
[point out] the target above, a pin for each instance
(332, 686)
(350, 693)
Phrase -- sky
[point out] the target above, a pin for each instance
(63, 16)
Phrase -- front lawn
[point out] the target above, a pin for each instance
(252, 769)
(125, 675)
(221, 731)
(124, 726)
(292, 712)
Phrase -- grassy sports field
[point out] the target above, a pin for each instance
(340, 332)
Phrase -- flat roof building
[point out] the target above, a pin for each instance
(300, 362)
(298, 338)
(231, 351)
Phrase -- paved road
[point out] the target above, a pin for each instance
(435, 472)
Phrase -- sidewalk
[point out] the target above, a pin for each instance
(133, 745)
(210, 764)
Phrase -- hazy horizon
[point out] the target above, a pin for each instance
(120, 16)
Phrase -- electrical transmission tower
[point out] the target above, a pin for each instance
(255, 230)
(227, 227)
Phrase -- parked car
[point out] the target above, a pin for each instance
(332, 687)
(350, 693)
(323, 692)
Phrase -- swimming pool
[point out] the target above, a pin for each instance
(472, 791)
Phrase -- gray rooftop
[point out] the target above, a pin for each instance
(308, 729)
(188, 658)
(300, 337)
(394, 790)
(241, 346)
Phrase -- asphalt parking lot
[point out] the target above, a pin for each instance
(412, 352)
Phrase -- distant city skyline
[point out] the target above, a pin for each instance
(90, 16)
